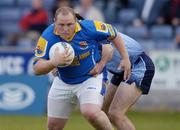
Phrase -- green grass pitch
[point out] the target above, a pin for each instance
(142, 121)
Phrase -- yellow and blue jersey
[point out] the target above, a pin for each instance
(85, 44)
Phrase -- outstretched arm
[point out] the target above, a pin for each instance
(125, 62)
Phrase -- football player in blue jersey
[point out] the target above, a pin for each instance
(81, 82)
(122, 93)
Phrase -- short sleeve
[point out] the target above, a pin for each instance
(41, 48)
(104, 31)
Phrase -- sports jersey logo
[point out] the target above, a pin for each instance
(39, 50)
(91, 88)
(101, 27)
(41, 47)
(83, 45)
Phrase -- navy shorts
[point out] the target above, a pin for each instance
(142, 73)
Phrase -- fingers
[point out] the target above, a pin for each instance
(65, 57)
(127, 74)
(94, 71)
(61, 58)
(67, 60)
(68, 53)
(68, 57)
(126, 69)
(54, 72)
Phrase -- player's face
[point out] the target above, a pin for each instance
(65, 25)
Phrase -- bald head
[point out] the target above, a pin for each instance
(65, 11)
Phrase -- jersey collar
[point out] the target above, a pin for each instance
(77, 29)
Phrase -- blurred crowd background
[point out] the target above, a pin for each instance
(155, 23)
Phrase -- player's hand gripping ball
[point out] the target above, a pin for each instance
(62, 48)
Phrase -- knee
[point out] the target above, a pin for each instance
(90, 115)
(116, 116)
(52, 125)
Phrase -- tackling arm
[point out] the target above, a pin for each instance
(107, 52)
(125, 62)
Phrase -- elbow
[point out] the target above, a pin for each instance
(41, 68)
(36, 70)
(111, 53)
(37, 73)
(108, 50)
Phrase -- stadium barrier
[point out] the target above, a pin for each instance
(21, 92)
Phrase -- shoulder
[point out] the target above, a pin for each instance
(93, 26)
(87, 27)
(98, 30)
(45, 40)
(87, 24)
(48, 33)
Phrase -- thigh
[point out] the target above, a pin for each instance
(111, 89)
(116, 79)
(60, 100)
(91, 91)
(125, 96)
(57, 108)
(91, 97)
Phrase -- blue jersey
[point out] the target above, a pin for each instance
(85, 44)
(133, 48)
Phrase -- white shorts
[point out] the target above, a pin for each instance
(62, 97)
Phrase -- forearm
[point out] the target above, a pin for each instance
(125, 64)
(43, 67)
(107, 52)
(119, 44)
